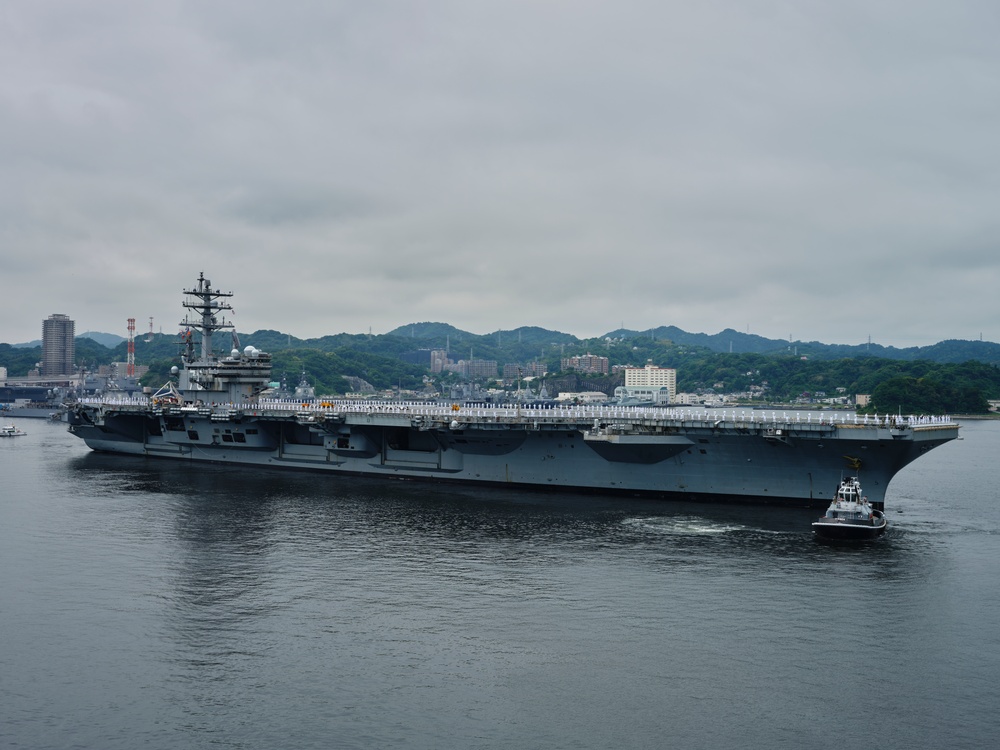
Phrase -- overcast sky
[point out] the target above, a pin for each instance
(817, 170)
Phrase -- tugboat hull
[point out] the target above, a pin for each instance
(852, 532)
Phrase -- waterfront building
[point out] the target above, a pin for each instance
(650, 376)
(58, 345)
(651, 379)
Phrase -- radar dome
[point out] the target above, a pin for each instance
(174, 370)
(234, 353)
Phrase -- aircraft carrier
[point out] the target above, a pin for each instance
(216, 410)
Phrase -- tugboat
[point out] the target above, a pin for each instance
(850, 517)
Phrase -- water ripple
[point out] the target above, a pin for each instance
(153, 603)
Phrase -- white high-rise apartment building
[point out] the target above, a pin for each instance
(651, 378)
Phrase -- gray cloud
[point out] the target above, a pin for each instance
(825, 171)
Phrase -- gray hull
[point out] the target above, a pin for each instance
(646, 452)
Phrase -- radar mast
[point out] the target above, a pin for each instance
(207, 303)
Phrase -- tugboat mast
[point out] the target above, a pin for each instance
(206, 302)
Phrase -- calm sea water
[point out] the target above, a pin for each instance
(147, 604)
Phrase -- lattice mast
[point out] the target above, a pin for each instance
(206, 303)
(130, 358)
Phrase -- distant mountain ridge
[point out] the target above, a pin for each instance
(726, 341)
(729, 340)
(110, 340)
(529, 335)
(528, 340)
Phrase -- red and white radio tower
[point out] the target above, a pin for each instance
(130, 362)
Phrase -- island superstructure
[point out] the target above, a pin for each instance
(217, 411)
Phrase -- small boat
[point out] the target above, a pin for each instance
(9, 430)
(850, 517)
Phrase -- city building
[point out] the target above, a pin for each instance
(439, 360)
(651, 375)
(58, 345)
(535, 368)
(513, 370)
(658, 384)
(475, 368)
(585, 363)
(118, 369)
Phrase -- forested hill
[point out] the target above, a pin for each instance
(525, 344)
(729, 340)
(959, 375)
(440, 335)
